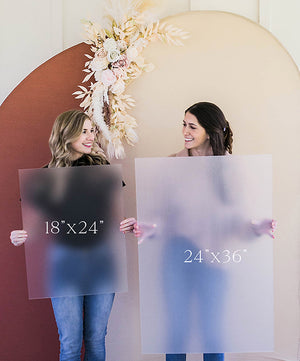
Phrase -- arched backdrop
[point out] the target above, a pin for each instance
(228, 60)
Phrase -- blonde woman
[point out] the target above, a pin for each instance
(73, 143)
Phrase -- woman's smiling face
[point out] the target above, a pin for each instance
(83, 144)
(194, 134)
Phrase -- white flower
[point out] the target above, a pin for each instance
(98, 63)
(110, 45)
(108, 77)
(132, 53)
(118, 87)
(113, 56)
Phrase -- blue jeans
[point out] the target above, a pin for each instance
(206, 357)
(82, 317)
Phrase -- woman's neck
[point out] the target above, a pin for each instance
(203, 149)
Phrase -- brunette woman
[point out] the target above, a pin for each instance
(206, 132)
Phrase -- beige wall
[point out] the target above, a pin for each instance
(281, 18)
(240, 66)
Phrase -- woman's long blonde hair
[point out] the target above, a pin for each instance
(66, 129)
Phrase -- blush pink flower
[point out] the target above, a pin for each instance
(122, 62)
(101, 53)
(100, 61)
(119, 73)
(108, 77)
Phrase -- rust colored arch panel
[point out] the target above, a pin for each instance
(28, 330)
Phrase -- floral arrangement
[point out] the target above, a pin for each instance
(117, 61)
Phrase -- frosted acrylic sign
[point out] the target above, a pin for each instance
(206, 273)
(74, 245)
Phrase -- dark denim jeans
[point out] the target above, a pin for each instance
(206, 357)
(82, 318)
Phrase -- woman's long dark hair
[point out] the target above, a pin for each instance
(212, 119)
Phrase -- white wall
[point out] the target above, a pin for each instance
(285, 25)
(30, 33)
(33, 31)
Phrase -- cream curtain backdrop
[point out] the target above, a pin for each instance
(241, 67)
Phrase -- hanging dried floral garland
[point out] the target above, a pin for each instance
(116, 62)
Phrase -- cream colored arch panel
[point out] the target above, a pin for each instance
(241, 67)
